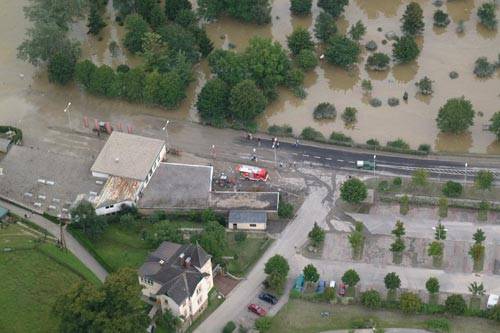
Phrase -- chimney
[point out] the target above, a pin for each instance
(188, 262)
(181, 259)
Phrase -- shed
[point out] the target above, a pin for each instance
(247, 220)
(3, 212)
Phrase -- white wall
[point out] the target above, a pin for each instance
(100, 175)
(248, 226)
(113, 208)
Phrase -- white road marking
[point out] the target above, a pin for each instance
(328, 158)
(340, 160)
(318, 157)
(305, 155)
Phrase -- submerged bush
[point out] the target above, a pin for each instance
(324, 111)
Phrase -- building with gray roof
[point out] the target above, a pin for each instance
(247, 220)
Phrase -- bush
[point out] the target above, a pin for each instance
(398, 144)
(371, 299)
(410, 303)
(483, 68)
(397, 181)
(353, 191)
(487, 15)
(438, 325)
(285, 210)
(229, 328)
(340, 137)
(456, 116)
(484, 179)
(310, 133)
(455, 304)
(349, 115)
(263, 324)
(324, 111)
(378, 61)
(424, 148)
(425, 86)
(283, 130)
(441, 18)
(405, 49)
(383, 186)
(404, 205)
(240, 236)
(452, 189)
(307, 60)
(373, 142)
(443, 207)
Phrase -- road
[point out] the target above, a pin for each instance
(72, 244)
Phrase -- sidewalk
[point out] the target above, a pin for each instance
(78, 250)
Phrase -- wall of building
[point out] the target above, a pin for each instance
(248, 226)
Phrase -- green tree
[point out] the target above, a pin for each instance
(136, 28)
(113, 307)
(205, 45)
(163, 231)
(410, 303)
(229, 66)
(310, 273)
(213, 239)
(169, 321)
(405, 49)
(440, 232)
(476, 289)
(484, 179)
(443, 207)
(277, 269)
(349, 115)
(412, 20)
(132, 84)
(350, 278)
(307, 60)
(300, 7)
(156, 18)
(476, 252)
(455, 304)
(299, 40)
(229, 327)
(495, 124)
(95, 21)
(213, 101)
(316, 235)
(435, 249)
(60, 12)
(263, 324)
(104, 82)
(392, 281)
(83, 73)
(371, 299)
(452, 189)
(487, 15)
(378, 61)
(246, 101)
(171, 90)
(353, 191)
(494, 313)
(432, 285)
(180, 39)
(186, 18)
(333, 7)
(61, 67)
(173, 7)
(399, 229)
(479, 237)
(455, 116)
(357, 31)
(398, 245)
(441, 18)
(342, 51)
(84, 217)
(324, 27)
(404, 205)
(419, 177)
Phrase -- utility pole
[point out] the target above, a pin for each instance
(165, 129)
(66, 110)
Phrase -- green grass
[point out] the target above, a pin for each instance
(299, 316)
(32, 279)
(246, 253)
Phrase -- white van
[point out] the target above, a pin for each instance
(492, 301)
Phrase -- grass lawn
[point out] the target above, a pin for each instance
(246, 253)
(32, 279)
(299, 316)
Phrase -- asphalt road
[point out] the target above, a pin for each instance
(395, 164)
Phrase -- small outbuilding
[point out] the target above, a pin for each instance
(247, 220)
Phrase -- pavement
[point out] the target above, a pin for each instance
(71, 243)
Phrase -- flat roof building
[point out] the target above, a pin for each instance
(247, 220)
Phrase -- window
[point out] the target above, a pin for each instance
(198, 291)
(253, 225)
(199, 301)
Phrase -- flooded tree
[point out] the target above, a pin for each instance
(246, 101)
(357, 31)
(349, 115)
(333, 7)
(61, 67)
(95, 21)
(307, 60)
(456, 116)
(342, 51)
(405, 49)
(483, 68)
(324, 27)
(378, 61)
(425, 86)
(300, 7)
(441, 19)
(412, 20)
(173, 7)
(324, 110)
(256, 11)
(495, 125)
(487, 15)
(212, 103)
(136, 28)
(299, 40)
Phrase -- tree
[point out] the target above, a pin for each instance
(61, 67)
(371, 299)
(357, 31)
(83, 73)
(324, 110)
(349, 115)
(487, 15)
(299, 40)
(60, 12)
(405, 49)
(173, 7)
(186, 18)
(170, 322)
(476, 252)
(213, 101)
(307, 60)
(136, 28)
(104, 82)
(95, 21)
(410, 303)
(316, 235)
(477, 289)
(484, 179)
(171, 90)
(342, 51)
(432, 285)
(333, 7)
(399, 229)
(392, 281)
(353, 191)
(300, 7)
(246, 101)
(205, 45)
(441, 18)
(398, 245)
(350, 278)
(113, 307)
(277, 269)
(455, 116)
(479, 236)
(378, 61)
(84, 217)
(435, 249)
(495, 124)
(452, 189)
(163, 231)
(419, 177)
(310, 273)
(132, 84)
(443, 207)
(455, 304)
(425, 86)
(324, 27)
(404, 205)
(412, 20)
(213, 239)
(440, 233)
(156, 18)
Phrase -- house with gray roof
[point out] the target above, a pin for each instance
(179, 278)
(247, 220)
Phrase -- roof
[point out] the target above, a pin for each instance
(263, 201)
(178, 186)
(128, 155)
(247, 216)
(116, 190)
(3, 212)
(164, 267)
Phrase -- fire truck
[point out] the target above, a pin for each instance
(252, 173)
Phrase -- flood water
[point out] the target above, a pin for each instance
(27, 100)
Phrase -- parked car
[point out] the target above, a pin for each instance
(299, 283)
(321, 287)
(342, 289)
(332, 284)
(269, 298)
(365, 165)
(258, 310)
(492, 301)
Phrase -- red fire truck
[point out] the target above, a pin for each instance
(252, 173)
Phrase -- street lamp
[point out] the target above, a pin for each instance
(465, 181)
(66, 110)
(374, 164)
(165, 129)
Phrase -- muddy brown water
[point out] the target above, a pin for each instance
(29, 101)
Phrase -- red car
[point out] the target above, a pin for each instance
(342, 289)
(258, 310)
